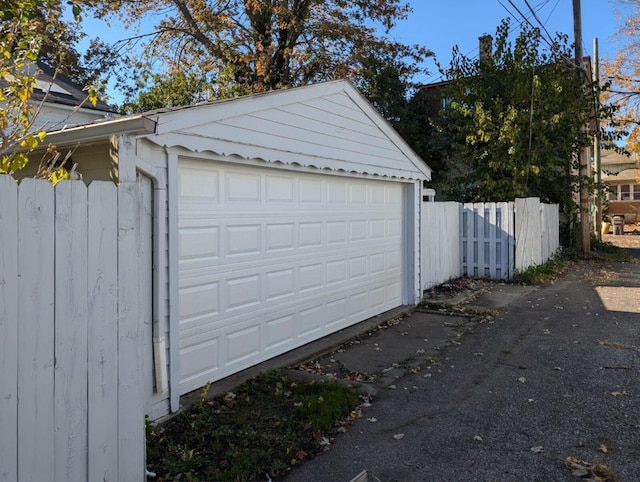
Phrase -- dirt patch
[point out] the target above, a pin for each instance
(454, 287)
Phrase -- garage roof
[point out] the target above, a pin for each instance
(327, 126)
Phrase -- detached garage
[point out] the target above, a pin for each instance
(277, 219)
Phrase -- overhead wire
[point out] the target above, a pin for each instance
(473, 51)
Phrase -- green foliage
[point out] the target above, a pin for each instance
(264, 427)
(521, 115)
(30, 30)
(517, 120)
(167, 90)
(545, 273)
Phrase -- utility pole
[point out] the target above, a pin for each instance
(583, 156)
(596, 140)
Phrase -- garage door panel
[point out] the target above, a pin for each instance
(242, 344)
(280, 189)
(242, 188)
(193, 372)
(310, 320)
(199, 300)
(280, 237)
(279, 331)
(272, 260)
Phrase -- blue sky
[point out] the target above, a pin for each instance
(441, 24)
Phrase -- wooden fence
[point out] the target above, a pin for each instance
(70, 332)
(75, 287)
(486, 240)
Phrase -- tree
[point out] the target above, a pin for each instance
(517, 120)
(30, 30)
(168, 90)
(622, 74)
(246, 46)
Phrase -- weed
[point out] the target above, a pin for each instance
(607, 252)
(267, 425)
(543, 273)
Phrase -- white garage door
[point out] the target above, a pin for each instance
(271, 259)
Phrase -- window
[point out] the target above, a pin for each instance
(625, 192)
(636, 192)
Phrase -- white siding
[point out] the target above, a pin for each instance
(327, 126)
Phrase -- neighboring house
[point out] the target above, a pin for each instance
(275, 219)
(621, 175)
(66, 104)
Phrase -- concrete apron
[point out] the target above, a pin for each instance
(377, 358)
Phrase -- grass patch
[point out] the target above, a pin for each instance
(544, 273)
(549, 271)
(607, 252)
(265, 427)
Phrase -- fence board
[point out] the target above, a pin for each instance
(102, 273)
(131, 411)
(71, 332)
(8, 329)
(440, 257)
(528, 233)
(35, 330)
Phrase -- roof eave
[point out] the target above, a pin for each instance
(137, 125)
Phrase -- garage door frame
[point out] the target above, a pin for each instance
(409, 242)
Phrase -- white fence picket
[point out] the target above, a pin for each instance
(8, 329)
(550, 230)
(440, 260)
(35, 330)
(71, 332)
(528, 233)
(102, 273)
(131, 447)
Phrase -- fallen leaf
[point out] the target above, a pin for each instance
(391, 387)
(596, 472)
(398, 436)
(557, 369)
(623, 393)
(372, 420)
(478, 438)
(603, 449)
(537, 449)
(521, 380)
